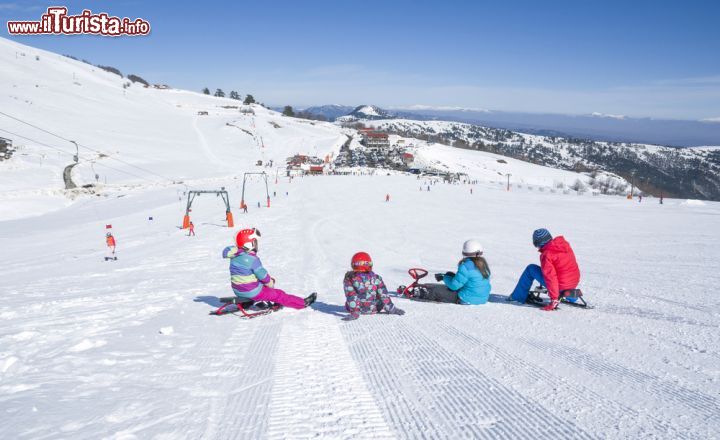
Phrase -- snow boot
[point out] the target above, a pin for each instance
(310, 299)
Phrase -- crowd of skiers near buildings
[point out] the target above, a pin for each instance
(366, 292)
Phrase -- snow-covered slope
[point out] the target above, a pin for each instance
(131, 135)
(94, 349)
(683, 172)
(125, 349)
(365, 112)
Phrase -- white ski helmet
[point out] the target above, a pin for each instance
(472, 248)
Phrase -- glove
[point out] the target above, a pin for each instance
(552, 306)
(350, 318)
(439, 277)
(450, 274)
(271, 284)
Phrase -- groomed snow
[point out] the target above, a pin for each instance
(126, 349)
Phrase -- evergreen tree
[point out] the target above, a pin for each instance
(249, 100)
(206, 91)
(219, 93)
(234, 95)
(288, 111)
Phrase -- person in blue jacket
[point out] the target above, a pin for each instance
(470, 285)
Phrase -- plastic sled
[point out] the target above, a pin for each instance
(416, 274)
(248, 308)
(571, 297)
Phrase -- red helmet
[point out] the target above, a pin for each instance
(247, 239)
(361, 262)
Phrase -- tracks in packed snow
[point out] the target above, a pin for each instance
(427, 391)
(242, 413)
(614, 419)
(318, 391)
(704, 405)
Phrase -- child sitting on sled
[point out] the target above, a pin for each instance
(365, 291)
(249, 279)
(470, 285)
(558, 270)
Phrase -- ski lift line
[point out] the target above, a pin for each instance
(73, 155)
(87, 148)
(37, 142)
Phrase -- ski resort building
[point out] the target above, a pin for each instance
(375, 140)
(316, 169)
(408, 158)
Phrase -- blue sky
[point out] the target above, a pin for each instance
(636, 58)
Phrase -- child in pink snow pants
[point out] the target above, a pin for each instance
(249, 279)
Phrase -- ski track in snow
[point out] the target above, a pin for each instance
(706, 406)
(314, 398)
(458, 400)
(576, 398)
(243, 415)
(205, 146)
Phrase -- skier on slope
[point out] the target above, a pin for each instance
(471, 284)
(365, 291)
(249, 279)
(558, 269)
(110, 242)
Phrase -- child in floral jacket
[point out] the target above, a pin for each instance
(365, 291)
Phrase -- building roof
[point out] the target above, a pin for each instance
(377, 135)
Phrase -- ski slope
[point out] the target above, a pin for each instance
(126, 349)
(131, 135)
(94, 349)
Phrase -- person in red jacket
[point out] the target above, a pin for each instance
(558, 269)
(110, 242)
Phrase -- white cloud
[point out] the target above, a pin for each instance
(603, 115)
(438, 107)
(716, 120)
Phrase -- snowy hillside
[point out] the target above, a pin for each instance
(126, 349)
(683, 172)
(130, 135)
(365, 112)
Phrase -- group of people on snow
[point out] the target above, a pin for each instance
(366, 293)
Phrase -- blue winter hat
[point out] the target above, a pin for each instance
(541, 237)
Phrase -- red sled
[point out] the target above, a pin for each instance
(248, 308)
(416, 274)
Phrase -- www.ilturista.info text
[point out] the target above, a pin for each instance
(57, 22)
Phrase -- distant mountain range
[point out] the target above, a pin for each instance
(329, 112)
(597, 126)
